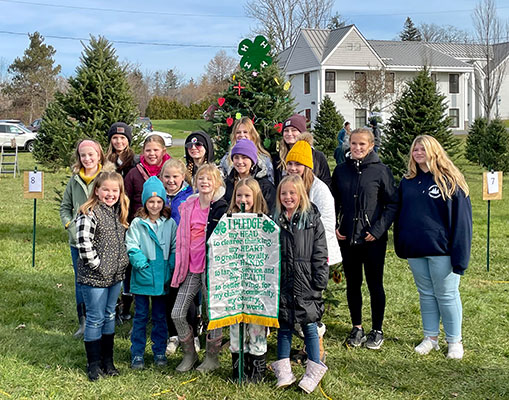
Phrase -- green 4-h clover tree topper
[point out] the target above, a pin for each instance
(255, 54)
(243, 271)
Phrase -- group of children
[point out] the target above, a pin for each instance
(149, 219)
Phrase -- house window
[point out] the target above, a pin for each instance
(454, 83)
(330, 81)
(360, 78)
(434, 78)
(389, 82)
(454, 114)
(360, 117)
(308, 114)
(307, 83)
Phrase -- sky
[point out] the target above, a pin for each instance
(186, 34)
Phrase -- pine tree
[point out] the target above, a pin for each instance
(328, 123)
(488, 144)
(421, 110)
(98, 96)
(410, 32)
(263, 98)
(34, 78)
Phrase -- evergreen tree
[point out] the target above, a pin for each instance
(263, 98)
(34, 78)
(98, 96)
(421, 110)
(488, 144)
(410, 32)
(328, 123)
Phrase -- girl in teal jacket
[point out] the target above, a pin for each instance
(150, 243)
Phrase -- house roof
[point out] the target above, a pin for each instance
(413, 54)
(282, 57)
(324, 41)
(500, 52)
(460, 50)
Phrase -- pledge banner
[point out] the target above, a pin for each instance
(243, 271)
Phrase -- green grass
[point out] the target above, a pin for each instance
(39, 359)
(179, 128)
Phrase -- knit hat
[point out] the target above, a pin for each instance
(302, 153)
(153, 187)
(297, 121)
(120, 128)
(203, 138)
(247, 148)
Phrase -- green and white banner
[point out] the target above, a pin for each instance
(243, 271)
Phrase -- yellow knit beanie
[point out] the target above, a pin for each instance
(301, 152)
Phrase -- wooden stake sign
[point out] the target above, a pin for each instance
(491, 190)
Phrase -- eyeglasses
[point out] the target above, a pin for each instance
(190, 145)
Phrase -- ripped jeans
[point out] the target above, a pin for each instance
(100, 304)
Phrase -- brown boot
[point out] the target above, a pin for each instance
(190, 355)
(211, 361)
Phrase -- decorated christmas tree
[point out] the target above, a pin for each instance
(259, 91)
(421, 110)
(328, 123)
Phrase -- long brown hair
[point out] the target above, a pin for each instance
(142, 212)
(123, 201)
(126, 156)
(445, 174)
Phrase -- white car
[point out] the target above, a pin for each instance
(168, 139)
(23, 137)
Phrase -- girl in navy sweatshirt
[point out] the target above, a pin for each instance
(433, 230)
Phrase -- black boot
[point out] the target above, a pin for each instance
(94, 370)
(107, 355)
(82, 320)
(235, 367)
(127, 300)
(257, 368)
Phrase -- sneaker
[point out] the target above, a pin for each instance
(173, 344)
(137, 362)
(427, 345)
(197, 344)
(356, 337)
(160, 360)
(374, 339)
(455, 351)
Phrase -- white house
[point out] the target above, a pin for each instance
(323, 62)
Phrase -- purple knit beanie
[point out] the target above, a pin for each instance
(247, 148)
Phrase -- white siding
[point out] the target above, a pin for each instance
(353, 51)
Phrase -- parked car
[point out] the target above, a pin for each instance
(168, 138)
(144, 123)
(35, 125)
(23, 137)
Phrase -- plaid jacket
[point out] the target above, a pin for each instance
(101, 246)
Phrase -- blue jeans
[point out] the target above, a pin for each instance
(284, 341)
(75, 255)
(100, 304)
(439, 296)
(159, 333)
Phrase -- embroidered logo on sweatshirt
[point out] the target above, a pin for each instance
(434, 192)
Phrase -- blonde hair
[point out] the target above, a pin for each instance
(259, 203)
(284, 149)
(123, 201)
(308, 177)
(213, 171)
(177, 164)
(364, 131)
(445, 174)
(76, 167)
(304, 202)
(255, 136)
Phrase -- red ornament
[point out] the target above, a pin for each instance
(238, 87)
(279, 127)
(221, 101)
(229, 121)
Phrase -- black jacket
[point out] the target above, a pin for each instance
(320, 168)
(304, 268)
(267, 187)
(365, 197)
(217, 209)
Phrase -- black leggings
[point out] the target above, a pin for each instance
(371, 255)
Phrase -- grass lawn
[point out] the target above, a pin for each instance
(179, 128)
(39, 359)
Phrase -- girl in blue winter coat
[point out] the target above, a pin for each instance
(150, 244)
(433, 230)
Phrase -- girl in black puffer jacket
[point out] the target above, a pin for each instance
(304, 274)
(366, 202)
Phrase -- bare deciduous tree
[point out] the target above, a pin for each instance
(442, 33)
(281, 20)
(490, 30)
(373, 89)
(220, 67)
